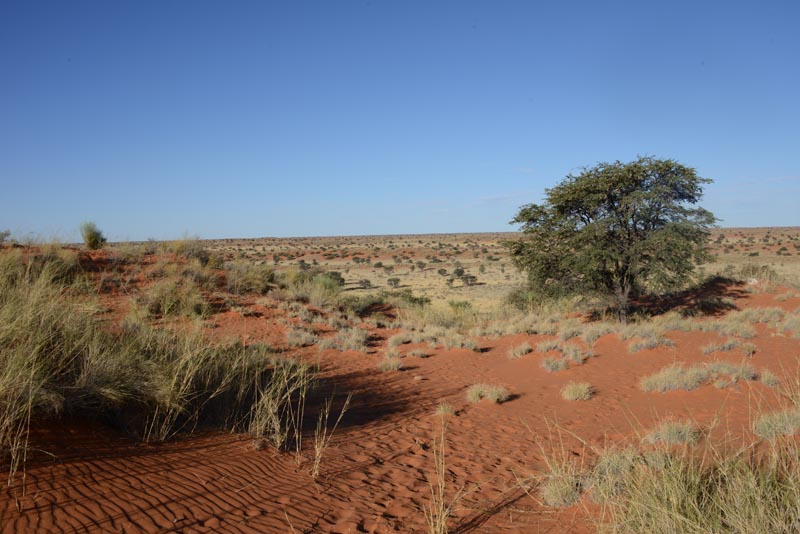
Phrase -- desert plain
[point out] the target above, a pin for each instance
(446, 400)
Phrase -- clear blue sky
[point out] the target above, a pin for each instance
(226, 119)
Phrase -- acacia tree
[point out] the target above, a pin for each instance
(615, 229)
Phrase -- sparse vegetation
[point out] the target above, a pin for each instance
(773, 425)
(675, 433)
(678, 377)
(577, 391)
(520, 350)
(390, 363)
(493, 393)
(552, 365)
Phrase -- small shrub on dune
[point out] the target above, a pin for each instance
(419, 353)
(611, 471)
(650, 343)
(762, 315)
(736, 372)
(640, 330)
(298, 337)
(518, 351)
(596, 331)
(552, 365)
(351, 338)
(388, 363)
(748, 349)
(675, 377)
(563, 485)
(245, 278)
(457, 341)
(93, 238)
(791, 325)
(678, 377)
(575, 353)
(547, 346)
(493, 393)
(173, 297)
(674, 433)
(569, 331)
(727, 346)
(731, 326)
(577, 391)
(399, 339)
(776, 424)
(768, 378)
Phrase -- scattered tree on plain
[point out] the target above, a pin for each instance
(616, 229)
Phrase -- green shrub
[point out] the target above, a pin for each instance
(92, 236)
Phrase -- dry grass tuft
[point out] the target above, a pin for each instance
(773, 425)
(518, 351)
(577, 391)
(674, 433)
(494, 393)
(552, 365)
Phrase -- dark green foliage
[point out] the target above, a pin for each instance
(93, 238)
(615, 229)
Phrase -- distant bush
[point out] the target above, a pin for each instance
(92, 236)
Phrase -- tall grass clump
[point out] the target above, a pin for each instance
(243, 278)
(775, 424)
(57, 359)
(317, 288)
(173, 297)
(674, 433)
(715, 492)
(349, 338)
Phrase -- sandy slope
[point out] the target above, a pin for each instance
(83, 478)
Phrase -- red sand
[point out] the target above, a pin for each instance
(375, 476)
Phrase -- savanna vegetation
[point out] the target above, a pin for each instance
(162, 340)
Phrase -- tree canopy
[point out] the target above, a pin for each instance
(616, 229)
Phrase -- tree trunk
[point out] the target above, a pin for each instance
(623, 302)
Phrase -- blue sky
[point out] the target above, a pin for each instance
(246, 119)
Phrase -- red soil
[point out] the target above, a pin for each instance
(83, 478)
